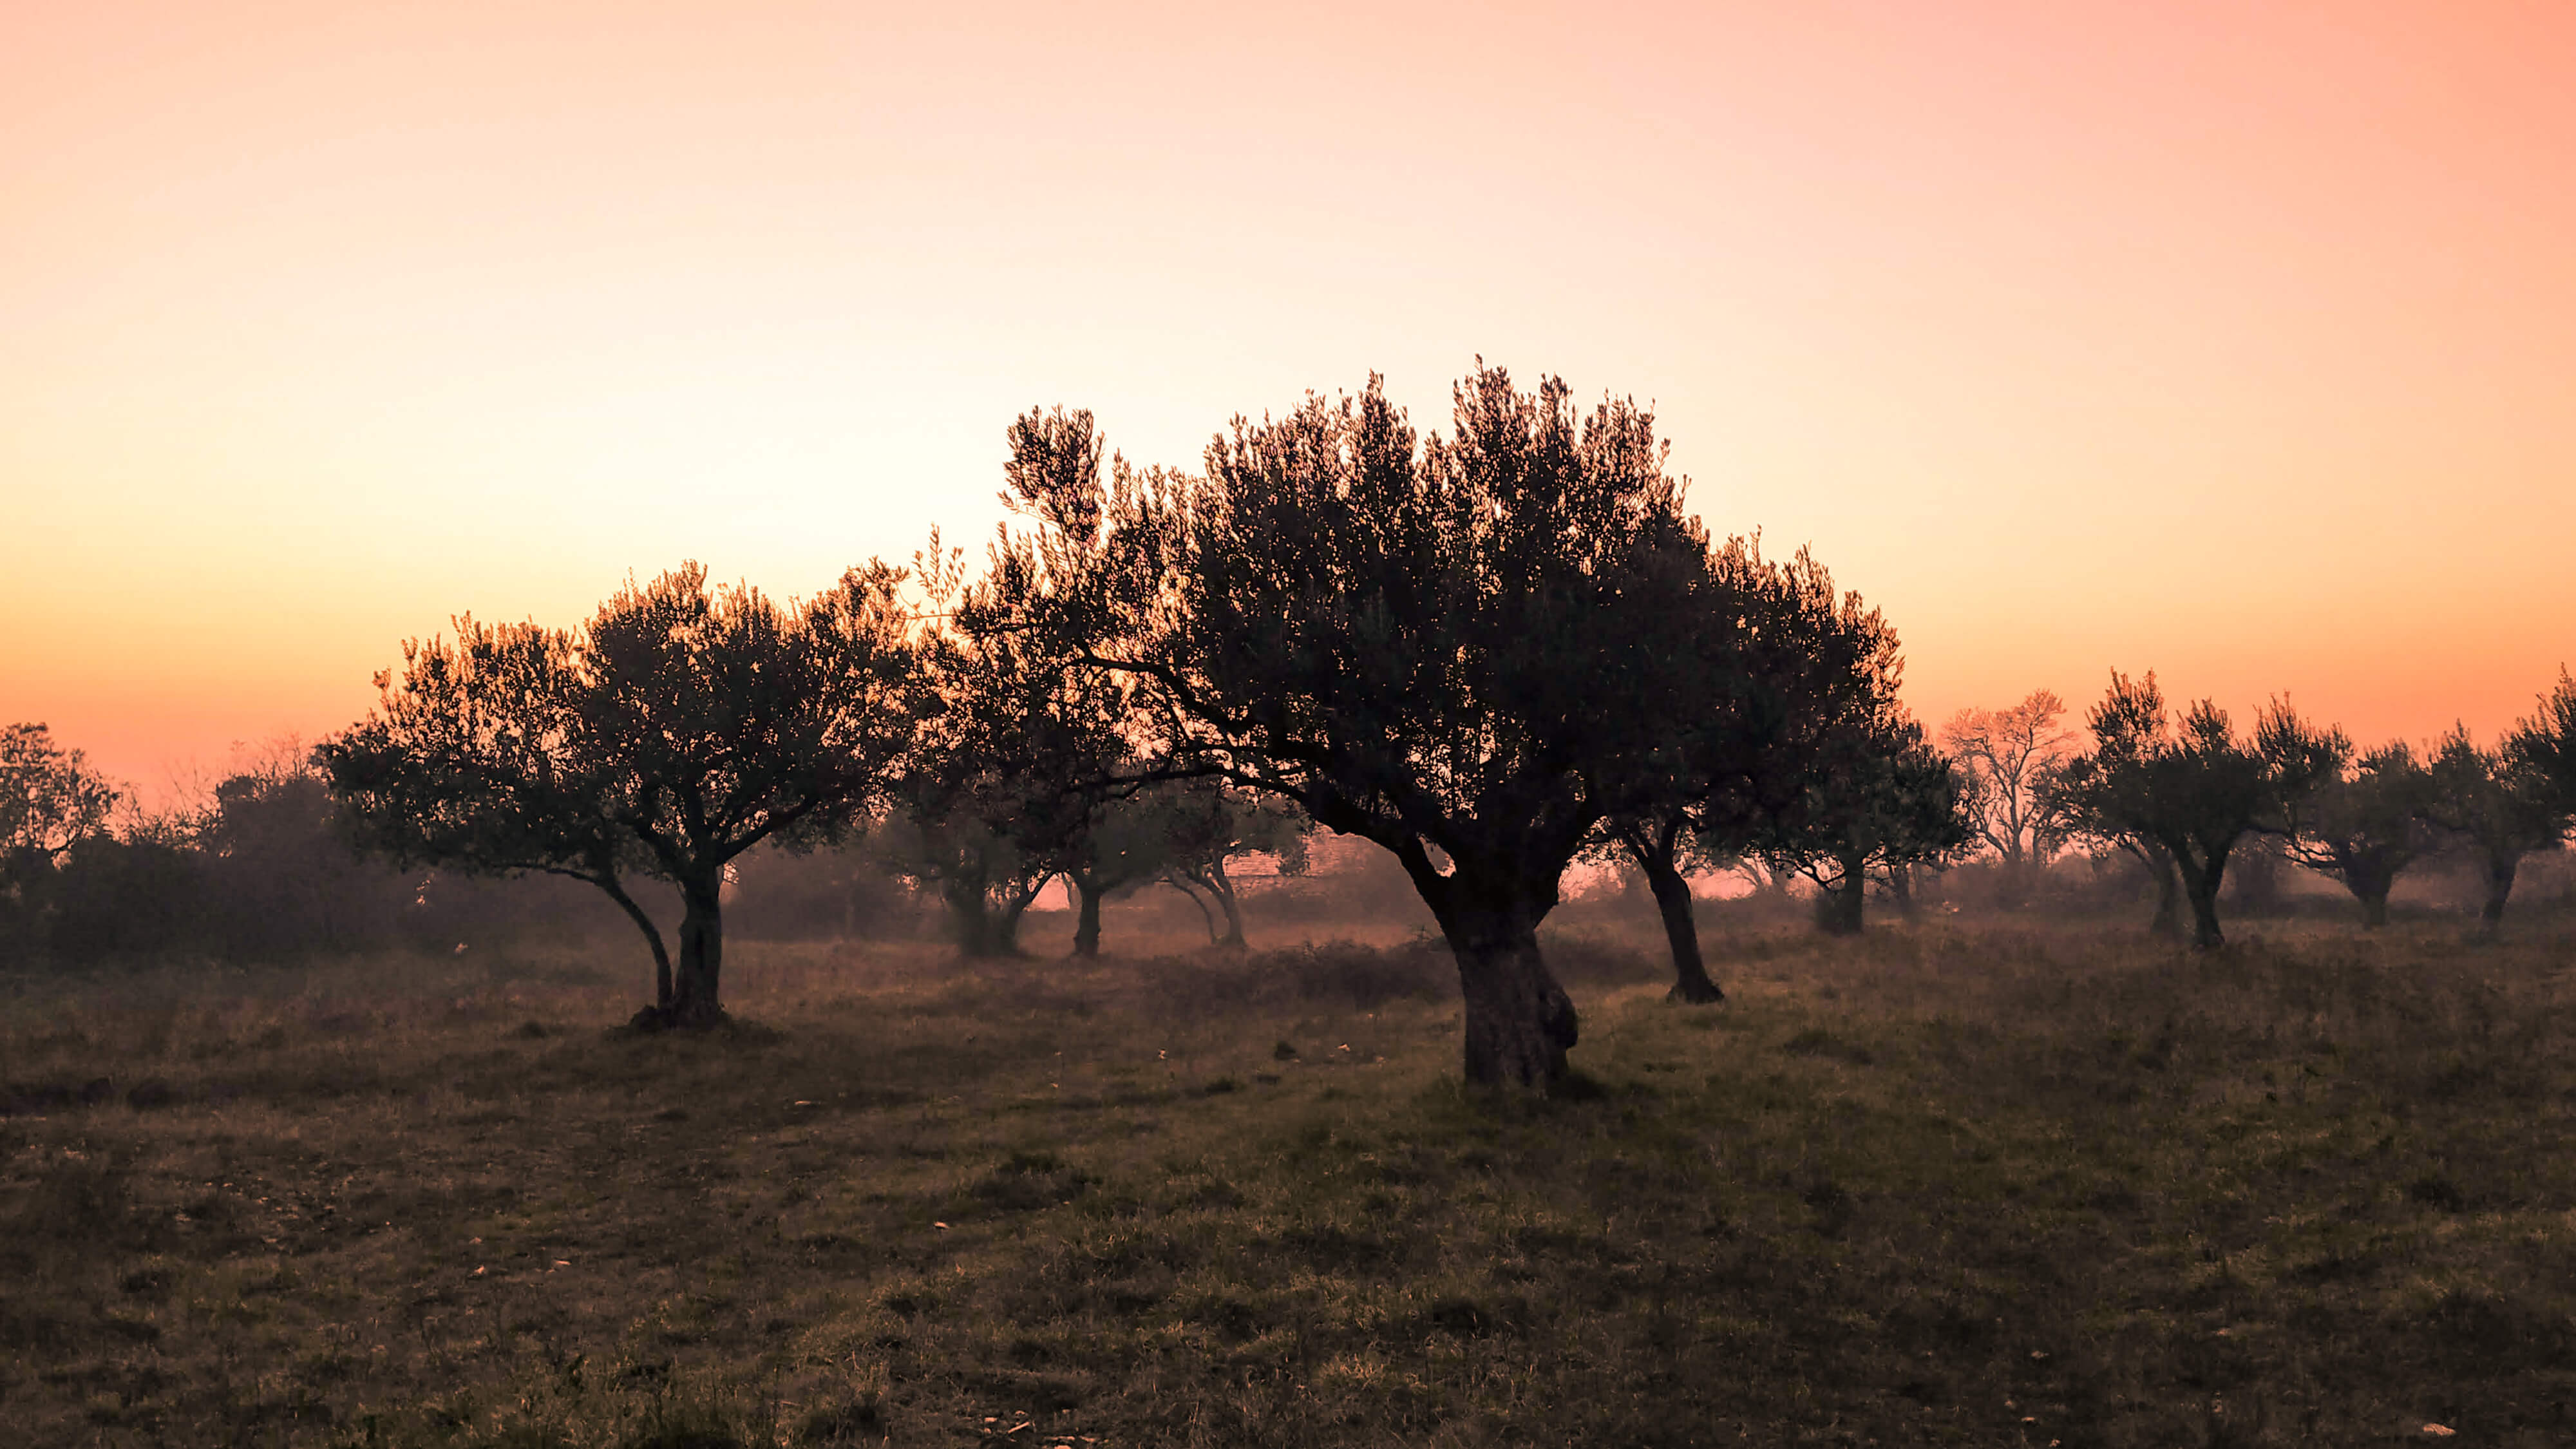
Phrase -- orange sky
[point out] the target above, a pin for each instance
(2236, 342)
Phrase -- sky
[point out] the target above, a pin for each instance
(2233, 342)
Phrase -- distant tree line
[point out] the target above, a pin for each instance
(1495, 653)
(258, 866)
(2184, 796)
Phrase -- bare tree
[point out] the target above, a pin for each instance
(2003, 755)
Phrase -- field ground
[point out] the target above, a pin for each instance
(1940, 1185)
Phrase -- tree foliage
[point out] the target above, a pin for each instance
(2187, 791)
(50, 800)
(1206, 824)
(2363, 823)
(1782, 665)
(1462, 648)
(679, 727)
(2544, 744)
(2497, 804)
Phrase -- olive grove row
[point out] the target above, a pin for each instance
(1493, 652)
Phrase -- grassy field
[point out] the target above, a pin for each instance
(1940, 1185)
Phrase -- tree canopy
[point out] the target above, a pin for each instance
(1781, 663)
(2497, 803)
(1463, 648)
(2189, 789)
(2363, 822)
(679, 727)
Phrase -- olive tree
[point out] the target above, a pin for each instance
(2363, 823)
(1882, 803)
(2187, 791)
(1457, 647)
(681, 726)
(1779, 661)
(2545, 743)
(2500, 804)
(1203, 824)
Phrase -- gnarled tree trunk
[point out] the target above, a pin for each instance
(1519, 1021)
(696, 987)
(985, 928)
(2370, 884)
(1221, 886)
(2201, 879)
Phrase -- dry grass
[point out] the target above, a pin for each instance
(1936, 1186)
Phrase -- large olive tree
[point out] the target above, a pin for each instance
(1458, 647)
(678, 728)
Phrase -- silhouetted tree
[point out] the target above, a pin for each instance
(958, 844)
(1123, 844)
(2498, 804)
(50, 801)
(2003, 756)
(680, 727)
(1021, 782)
(1449, 646)
(281, 871)
(2545, 743)
(1206, 823)
(2363, 823)
(53, 809)
(2192, 791)
(1781, 662)
(1883, 802)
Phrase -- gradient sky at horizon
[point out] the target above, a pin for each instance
(2233, 342)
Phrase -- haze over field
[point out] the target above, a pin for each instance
(2242, 348)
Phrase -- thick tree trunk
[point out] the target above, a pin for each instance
(2501, 869)
(2370, 886)
(1086, 921)
(983, 932)
(2205, 934)
(1672, 894)
(1519, 1022)
(1839, 906)
(2200, 885)
(696, 995)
